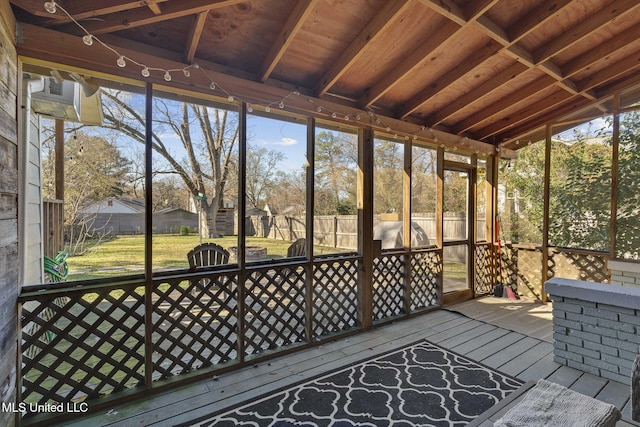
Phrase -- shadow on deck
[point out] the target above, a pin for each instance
(514, 337)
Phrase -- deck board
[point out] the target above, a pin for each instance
(506, 349)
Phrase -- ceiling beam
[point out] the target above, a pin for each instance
(355, 50)
(409, 64)
(131, 19)
(295, 21)
(193, 38)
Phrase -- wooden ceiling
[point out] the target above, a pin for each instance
(494, 71)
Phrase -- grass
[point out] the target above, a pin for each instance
(125, 254)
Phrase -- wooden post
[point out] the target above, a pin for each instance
(615, 179)
(406, 224)
(365, 226)
(439, 221)
(59, 159)
(148, 238)
(471, 227)
(546, 210)
(310, 178)
(491, 212)
(242, 225)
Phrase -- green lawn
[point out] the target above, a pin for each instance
(125, 254)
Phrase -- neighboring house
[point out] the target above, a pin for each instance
(126, 216)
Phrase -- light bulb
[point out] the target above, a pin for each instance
(281, 104)
(87, 39)
(346, 117)
(196, 66)
(121, 62)
(145, 72)
(415, 137)
(319, 109)
(388, 129)
(267, 109)
(358, 117)
(250, 108)
(186, 72)
(334, 115)
(230, 98)
(167, 76)
(50, 6)
(212, 86)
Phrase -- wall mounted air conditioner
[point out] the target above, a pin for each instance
(58, 100)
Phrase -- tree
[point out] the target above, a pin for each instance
(388, 172)
(335, 163)
(207, 135)
(94, 170)
(262, 164)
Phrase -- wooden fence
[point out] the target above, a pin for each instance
(53, 226)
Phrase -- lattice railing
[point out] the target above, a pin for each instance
(335, 296)
(482, 257)
(82, 345)
(388, 286)
(194, 323)
(426, 267)
(82, 341)
(567, 263)
(275, 308)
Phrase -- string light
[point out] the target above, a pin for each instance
(145, 70)
(50, 6)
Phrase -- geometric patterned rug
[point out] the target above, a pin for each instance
(418, 385)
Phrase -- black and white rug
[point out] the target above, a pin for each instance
(418, 385)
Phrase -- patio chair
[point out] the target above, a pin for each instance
(207, 254)
(297, 248)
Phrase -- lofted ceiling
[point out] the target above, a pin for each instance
(494, 71)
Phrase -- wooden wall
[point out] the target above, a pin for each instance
(8, 210)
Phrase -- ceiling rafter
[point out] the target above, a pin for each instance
(355, 50)
(504, 103)
(295, 21)
(410, 63)
(521, 116)
(598, 53)
(82, 9)
(583, 29)
(193, 39)
(154, 6)
(442, 34)
(477, 94)
(477, 58)
(125, 20)
(534, 19)
(511, 48)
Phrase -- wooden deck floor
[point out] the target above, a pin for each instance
(492, 331)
